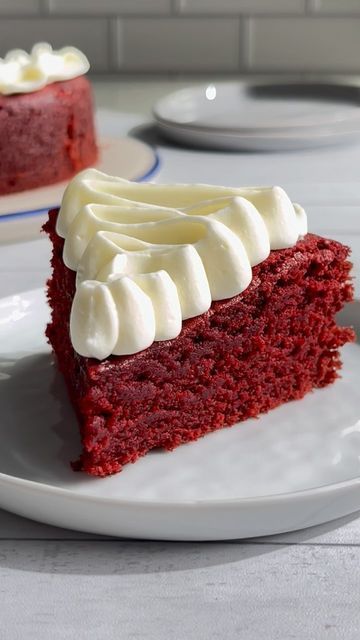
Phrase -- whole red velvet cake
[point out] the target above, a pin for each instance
(273, 342)
(46, 134)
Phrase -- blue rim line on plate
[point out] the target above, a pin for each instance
(37, 212)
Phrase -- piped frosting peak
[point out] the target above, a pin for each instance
(22, 72)
(149, 256)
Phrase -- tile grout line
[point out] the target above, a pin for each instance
(245, 35)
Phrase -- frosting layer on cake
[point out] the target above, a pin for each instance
(22, 72)
(149, 256)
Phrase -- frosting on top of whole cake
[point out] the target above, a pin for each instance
(22, 72)
(149, 256)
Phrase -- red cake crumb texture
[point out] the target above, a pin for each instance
(273, 343)
(46, 136)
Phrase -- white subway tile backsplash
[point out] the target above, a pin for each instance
(240, 6)
(304, 44)
(89, 34)
(22, 7)
(112, 7)
(336, 6)
(173, 44)
(193, 35)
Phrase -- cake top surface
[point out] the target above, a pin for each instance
(149, 256)
(22, 72)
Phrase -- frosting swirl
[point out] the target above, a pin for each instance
(22, 72)
(148, 256)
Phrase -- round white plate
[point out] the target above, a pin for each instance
(261, 116)
(206, 139)
(22, 214)
(295, 467)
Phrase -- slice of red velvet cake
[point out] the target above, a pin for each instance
(46, 118)
(263, 333)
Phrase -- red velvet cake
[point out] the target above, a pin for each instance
(273, 342)
(46, 134)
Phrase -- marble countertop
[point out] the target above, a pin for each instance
(304, 585)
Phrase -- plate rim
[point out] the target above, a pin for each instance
(46, 488)
(246, 134)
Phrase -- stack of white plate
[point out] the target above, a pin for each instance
(261, 116)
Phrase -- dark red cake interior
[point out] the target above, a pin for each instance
(46, 136)
(273, 343)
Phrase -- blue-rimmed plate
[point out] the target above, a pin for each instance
(23, 214)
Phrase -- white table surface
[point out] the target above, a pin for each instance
(305, 585)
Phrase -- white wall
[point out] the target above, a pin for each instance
(193, 35)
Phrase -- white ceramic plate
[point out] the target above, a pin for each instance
(206, 139)
(261, 116)
(295, 467)
(22, 214)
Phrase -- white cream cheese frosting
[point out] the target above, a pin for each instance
(149, 256)
(22, 72)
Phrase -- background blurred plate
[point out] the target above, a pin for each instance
(256, 116)
(227, 140)
(22, 214)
